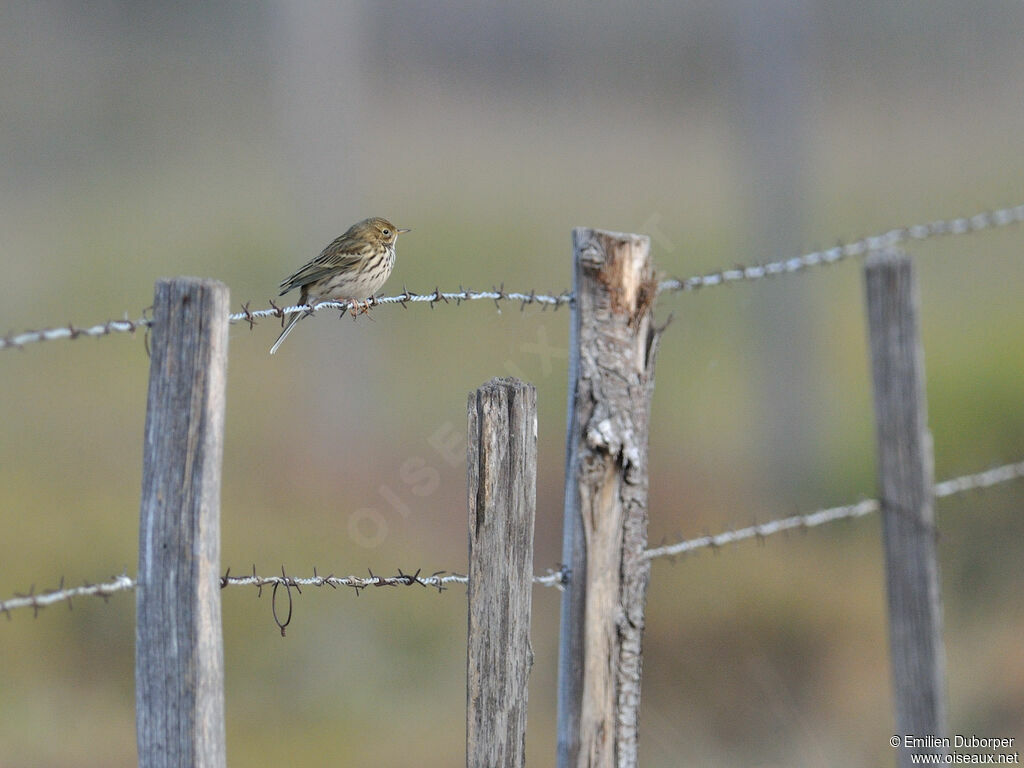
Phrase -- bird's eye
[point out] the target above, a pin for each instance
(386, 231)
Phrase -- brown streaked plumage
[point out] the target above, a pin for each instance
(352, 268)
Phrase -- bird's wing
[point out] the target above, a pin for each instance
(333, 259)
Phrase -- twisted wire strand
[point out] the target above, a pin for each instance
(763, 530)
(985, 479)
(409, 297)
(38, 601)
(963, 225)
(958, 226)
(439, 580)
(554, 578)
(70, 331)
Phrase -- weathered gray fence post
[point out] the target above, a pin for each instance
(179, 655)
(905, 490)
(611, 380)
(502, 463)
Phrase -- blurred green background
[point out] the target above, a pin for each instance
(142, 140)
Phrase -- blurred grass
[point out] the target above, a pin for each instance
(782, 636)
(772, 654)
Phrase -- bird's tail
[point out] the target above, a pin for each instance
(287, 329)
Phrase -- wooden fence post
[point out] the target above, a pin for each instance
(179, 655)
(502, 463)
(905, 490)
(613, 346)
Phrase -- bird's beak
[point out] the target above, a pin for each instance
(403, 231)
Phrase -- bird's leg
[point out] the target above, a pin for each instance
(309, 301)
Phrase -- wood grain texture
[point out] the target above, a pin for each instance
(179, 659)
(613, 346)
(502, 462)
(905, 490)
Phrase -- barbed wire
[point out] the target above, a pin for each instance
(39, 601)
(69, 331)
(439, 580)
(985, 479)
(497, 295)
(956, 485)
(1001, 217)
(764, 530)
(963, 225)
(250, 316)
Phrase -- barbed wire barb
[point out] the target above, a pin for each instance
(557, 577)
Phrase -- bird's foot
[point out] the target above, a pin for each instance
(360, 308)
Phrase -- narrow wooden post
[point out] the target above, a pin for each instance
(179, 655)
(613, 346)
(905, 489)
(502, 465)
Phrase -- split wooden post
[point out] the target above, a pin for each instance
(502, 462)
(179, 654)
(906, 494)
(613, 346)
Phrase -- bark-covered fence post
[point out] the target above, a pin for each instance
(612, 352)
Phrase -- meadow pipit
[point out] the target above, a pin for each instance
(352, 268)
